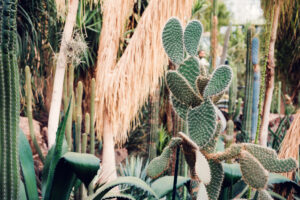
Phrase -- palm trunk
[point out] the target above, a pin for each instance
(270, 72)
(108, 172)
(60, 73)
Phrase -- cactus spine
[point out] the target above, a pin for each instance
(9, 102)
(29, 112)
(247, 110)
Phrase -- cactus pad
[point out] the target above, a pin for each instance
(172, 38)
(181, 89)
(201, 83)
(175, 141)
(268, 158)
(264, 195)
(214, 187)
(202, 170)
(219, 82)
(232, 152)
(192, 35)
(160, 164)
(254, 174)
(255, 50)
(190, 70)
(180, 108)
(202, 123)
(211, 145)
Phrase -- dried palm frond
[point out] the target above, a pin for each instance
(123, 88)
(291, 142)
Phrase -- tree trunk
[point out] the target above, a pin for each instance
(60, 73)
(108, 172)
(270, 72)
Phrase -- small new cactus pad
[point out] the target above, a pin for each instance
(202, 170)
(219, 82)
(181, 89)
(172, 38)
(211, 145)
(255, 50)
(202, 123)
(254, 174)
(232, 152)
(160, 164)
(180, 108)
(202, 193)
(264, 195)
(190, 70)
(214, 187)
(192, 35)
(201, 82)
(268, 158)
(175, 141)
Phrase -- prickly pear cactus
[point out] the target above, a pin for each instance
(193, 94)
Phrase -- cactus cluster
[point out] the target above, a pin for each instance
(194, 93)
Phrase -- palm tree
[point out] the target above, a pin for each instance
(123, 87)
(60, 72)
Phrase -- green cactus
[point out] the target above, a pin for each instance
(254, 174)
(9, 102)
(268, 158)
(78, 133)
(29, 112)
(78, 103)
(172, 38)
(193, 96)
(180, 108)
(160, 164)
(211, 145)
(181, 89)
(92, 123)
(232, 95)
(190, 71)
(247, 110)
(229, 135)
(192, 35)
(238, 109)
(214, 187)
(202, 123)
(201, 82)
(219, 82)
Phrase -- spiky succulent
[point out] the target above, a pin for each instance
(193, 94)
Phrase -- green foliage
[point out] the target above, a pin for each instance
(192, 34)
(9, 102)
(26, 162)
(172, 38)
(164, 185)
(220, 81)
(202, 123)
(102, 191)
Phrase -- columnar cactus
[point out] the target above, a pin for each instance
(247, 110)
(9, 102)
(256, 86)
(192, 97)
